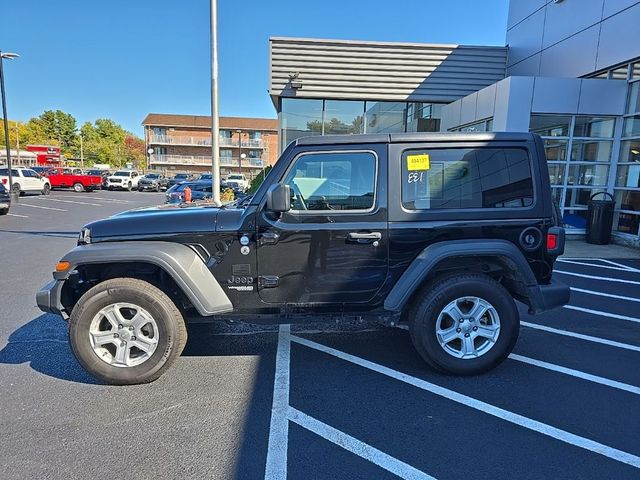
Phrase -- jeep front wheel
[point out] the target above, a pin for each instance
(126, 331)
(464, 324)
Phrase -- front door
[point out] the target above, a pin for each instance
(331, 248)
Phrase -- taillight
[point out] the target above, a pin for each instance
(555, 241)
(552, 241)
(4, 181)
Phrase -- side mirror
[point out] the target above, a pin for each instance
(279, 198)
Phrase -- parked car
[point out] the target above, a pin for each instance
(199, 191)
(240, 180)
(25, 180)
(42, 171)
(123, 180)
(68, 178)
(205, 176)
(5, 200)
(444, 231)
(179, 178)
(103, 173)
(153, 182)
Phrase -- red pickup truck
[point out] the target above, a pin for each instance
(65, 178)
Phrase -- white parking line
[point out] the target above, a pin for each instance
(72, 201)
(21, 204)
(603, 314)
(573, 262)
(631, 269)
(479, 405)
(601, 294)
(16, 215)
(577, 373)
(276, 468)
(580, 336)
(354, 445)
(594, 277)
(114, 200)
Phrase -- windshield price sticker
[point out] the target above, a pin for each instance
(418, 162)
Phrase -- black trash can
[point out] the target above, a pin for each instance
(600, 219)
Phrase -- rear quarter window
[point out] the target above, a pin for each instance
(466, 178)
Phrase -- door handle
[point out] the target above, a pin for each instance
(364, 237)
(267, 238)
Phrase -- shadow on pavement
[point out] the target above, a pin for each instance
(43, 344)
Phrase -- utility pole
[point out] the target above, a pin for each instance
(81, 151)
(8, 56)
(18, 142)
(215, 125)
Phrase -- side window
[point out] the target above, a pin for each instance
(333, 181)
(466, 178)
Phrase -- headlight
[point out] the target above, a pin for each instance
(85, 237)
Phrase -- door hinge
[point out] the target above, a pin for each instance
(268, 281)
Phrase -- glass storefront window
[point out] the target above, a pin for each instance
(628, 176)
(299, 118)
(628, 200)
(632, 126)
(423, 117)
(550, 125)
(556, 173)
(387, 117)
(555, 150)
(630, 151)
(588, 151)
(627, 223)
(579, 196)
(594, 127)
(633, 101)
(343, 117)
(588, 174)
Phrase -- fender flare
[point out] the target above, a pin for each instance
(418, 270)
(180, 262)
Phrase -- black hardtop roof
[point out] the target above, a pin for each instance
(415, 137)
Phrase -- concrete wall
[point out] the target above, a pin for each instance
(571, 38)
(511, 101)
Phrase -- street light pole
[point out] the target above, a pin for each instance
(239, 132)
(81, 152)
(215, 125)
(8, 56)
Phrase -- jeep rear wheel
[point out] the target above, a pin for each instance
(126, 331)
(464, 324)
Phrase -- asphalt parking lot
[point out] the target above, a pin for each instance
(311, 402)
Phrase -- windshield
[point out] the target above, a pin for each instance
(235, 177)
(122, 174)
(152, 175)
(206, 176)
(181, 175)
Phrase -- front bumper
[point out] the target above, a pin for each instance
(547, 297)
(49, 298)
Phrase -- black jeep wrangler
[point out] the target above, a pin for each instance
(442, 231)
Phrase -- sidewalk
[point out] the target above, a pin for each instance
(581, 249)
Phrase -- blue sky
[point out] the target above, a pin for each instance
(122, 59)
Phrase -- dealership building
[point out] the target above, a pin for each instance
(570, 71)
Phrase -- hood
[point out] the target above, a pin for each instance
(161, 221)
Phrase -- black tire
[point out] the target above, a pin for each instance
(129, 186)
(46, 190)
(16, 189)
(4, 211)
(172, 333)
(78, 187)
(431, 301)
(140, 189)
(157, 188)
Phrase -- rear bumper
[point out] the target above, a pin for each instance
(48, 298)
(547, 297)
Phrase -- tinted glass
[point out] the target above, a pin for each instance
(632, 126)
(5, 171)
(585, 151)
(628, 200)
(633, 100)
(593, 127)
(333, 181)
(386, 117)
(555, 150)
(628, 176)
(588, 174)
(300, 118)
(343, 117)
(630, 151)
(466, 178)
(550, 125)
(121, 174)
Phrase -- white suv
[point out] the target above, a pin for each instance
(25, 180)
(123, 180)
(239, 179)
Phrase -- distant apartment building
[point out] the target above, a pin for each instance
(180, 143)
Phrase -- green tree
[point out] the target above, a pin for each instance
(256, 182)
(60, 126)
